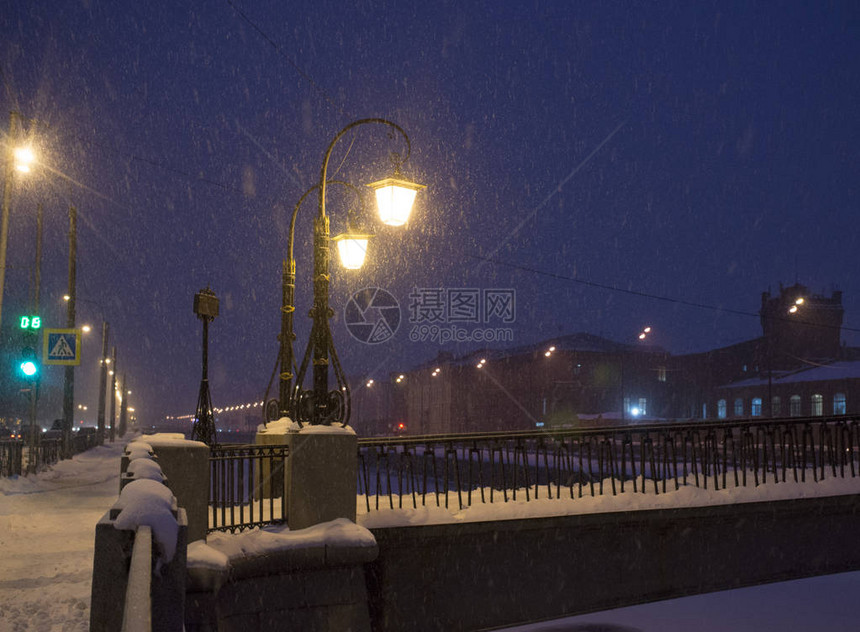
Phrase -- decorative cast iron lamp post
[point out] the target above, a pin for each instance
(319, 405)
(206, 309)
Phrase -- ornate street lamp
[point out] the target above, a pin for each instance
(206, 309)
(319, 405)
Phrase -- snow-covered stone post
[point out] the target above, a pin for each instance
(186, 465)
(321, 474)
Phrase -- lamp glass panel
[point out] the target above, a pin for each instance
(352, 251)
(395, 204)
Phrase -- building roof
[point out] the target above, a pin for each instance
(820, 373)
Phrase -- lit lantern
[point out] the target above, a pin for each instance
(352, 249)
(395, 197)
(24, 157)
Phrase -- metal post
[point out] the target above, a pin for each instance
(321, 313)
(37, 291)
(206, 309)
(113, 397)
(69, 383)
(100, 433)
(123, 406)
(4, 215)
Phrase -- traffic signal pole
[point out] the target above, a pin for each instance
(69, 382)
(37, 289)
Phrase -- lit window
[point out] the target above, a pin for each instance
(839, 407)
(721, 409)
(643, 406)
(794, 406)
(776, 407)
(755, 411)
(817, 405)
(704, 411)
(739, 407)
(661, 374)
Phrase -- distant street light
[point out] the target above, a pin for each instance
(395, 196)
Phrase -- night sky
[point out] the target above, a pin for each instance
(682, 153)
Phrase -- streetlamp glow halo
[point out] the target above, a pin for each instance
(24, 157)
(352, 248)
(395, 197)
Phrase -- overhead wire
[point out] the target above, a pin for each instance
(639, 293)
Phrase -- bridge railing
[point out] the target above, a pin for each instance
(463, 469)
(246, 486)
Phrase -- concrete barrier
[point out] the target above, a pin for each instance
(478, 575)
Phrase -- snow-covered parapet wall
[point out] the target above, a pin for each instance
(336, 549)
(149, 502)
(221, 551)
(145, 503)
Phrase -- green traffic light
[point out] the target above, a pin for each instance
(29, 368)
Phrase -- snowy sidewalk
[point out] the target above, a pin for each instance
(47, 531)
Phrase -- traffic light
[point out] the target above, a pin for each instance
(29, 365)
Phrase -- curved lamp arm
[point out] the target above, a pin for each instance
(340, 134)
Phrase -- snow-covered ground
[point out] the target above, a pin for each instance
(47, 527)
(47, 531)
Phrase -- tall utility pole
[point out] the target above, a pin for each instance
(100, 433)
(7, 201)
(113, 398)
(69, 383)
(37, 290)
(123, 407)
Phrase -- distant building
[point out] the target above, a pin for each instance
(561, 381)
(826, 389)
(798, 367)
(801, 332)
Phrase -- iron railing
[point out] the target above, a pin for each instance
(11, 458)
(498, 467)
(246, 486)
(17, 458)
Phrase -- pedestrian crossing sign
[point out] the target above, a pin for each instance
(61, 346)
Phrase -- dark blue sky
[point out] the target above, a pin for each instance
(702, 152)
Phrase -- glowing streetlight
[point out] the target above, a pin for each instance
(395, 197)
(24, 157)
(352, 248)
